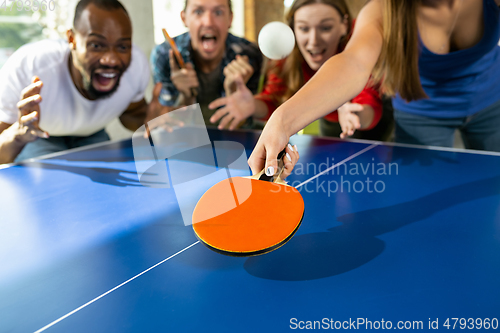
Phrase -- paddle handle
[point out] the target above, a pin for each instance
(281, 166)
(177, 56)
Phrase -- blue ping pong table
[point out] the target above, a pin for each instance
(393, 237)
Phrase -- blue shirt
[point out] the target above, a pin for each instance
(460, 83)
(234, 45)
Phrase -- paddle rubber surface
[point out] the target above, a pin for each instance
(243, 216)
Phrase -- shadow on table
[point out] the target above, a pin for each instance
(108, 176)
(354, 243)
(120, 151)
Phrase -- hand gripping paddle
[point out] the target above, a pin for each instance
(178, 56)
(247, 216)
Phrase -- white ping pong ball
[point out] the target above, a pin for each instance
(276, 40)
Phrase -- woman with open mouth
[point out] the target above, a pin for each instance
(322, 29)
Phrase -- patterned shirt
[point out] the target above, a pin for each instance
(234, 46)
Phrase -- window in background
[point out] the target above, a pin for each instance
(18, 26)
(28, 21)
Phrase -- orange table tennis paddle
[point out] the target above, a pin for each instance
(177, 54)
(247, 216)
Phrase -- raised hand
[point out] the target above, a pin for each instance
(237, 107)
(29, 112)
(349, 119)
(239, 67)
(184, 79)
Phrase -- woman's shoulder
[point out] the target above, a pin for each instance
(372, 10)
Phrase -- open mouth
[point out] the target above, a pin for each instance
(208, 42)
(317, 55)
(105, 81)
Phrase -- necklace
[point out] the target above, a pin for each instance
(452, 26)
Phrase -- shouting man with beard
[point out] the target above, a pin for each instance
(57, 95)
(216, 62)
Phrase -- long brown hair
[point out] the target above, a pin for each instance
(291, 72)
(397, 66)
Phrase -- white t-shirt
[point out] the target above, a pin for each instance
(63, 110)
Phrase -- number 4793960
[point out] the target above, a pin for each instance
(471, 323)
(28, 5)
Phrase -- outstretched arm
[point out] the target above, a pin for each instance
(340, 79)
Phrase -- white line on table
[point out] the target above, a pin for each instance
(111, 290)
(161, 262)
(340, 163)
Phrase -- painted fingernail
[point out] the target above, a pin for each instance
(288, 156)
(290, 147)
(295, 147)
(38, 98)
(270, 171)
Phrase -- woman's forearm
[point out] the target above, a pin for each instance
(325, 92)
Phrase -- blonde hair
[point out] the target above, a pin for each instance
(291, 72)
(397, 66)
